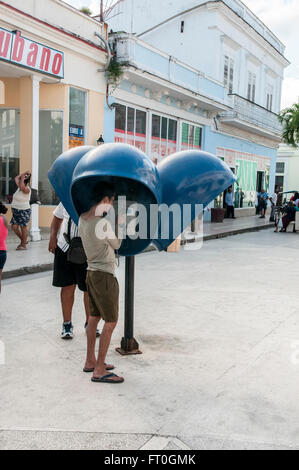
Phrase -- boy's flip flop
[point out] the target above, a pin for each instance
(108, 379)
(88, 371)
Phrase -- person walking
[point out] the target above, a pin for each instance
(3, 237)
(230, 203)
(21, 210)
(67, 275)
(102, 285)
(263, 199)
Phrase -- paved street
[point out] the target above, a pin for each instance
(37, 258)
(218, 328)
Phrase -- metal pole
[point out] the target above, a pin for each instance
(102, 11)
(129, 299)
(129, 345)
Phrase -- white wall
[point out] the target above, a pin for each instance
(146, 13)
(60, 14)
(210, 33)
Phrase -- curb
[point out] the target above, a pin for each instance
(27, 270)
(42, 268)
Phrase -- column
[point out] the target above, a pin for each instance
(179, 135)
(243, 73)
(35, 231)
(148, 133)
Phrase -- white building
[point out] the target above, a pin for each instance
(217, 51)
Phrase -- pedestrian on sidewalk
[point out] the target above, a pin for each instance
(103, 288)
(290, 215)
(230, 203)
(273, 200)
(3, 237)
(21, 210)
(67, 275)
(263, 203)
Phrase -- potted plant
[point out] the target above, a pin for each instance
(218, 213)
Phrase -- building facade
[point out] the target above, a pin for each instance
(287, 168)
(52, 94)
(224, 70)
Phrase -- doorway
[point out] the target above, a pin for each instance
(260, 181)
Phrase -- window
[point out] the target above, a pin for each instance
(270, 92)
(191, 137)
(251, 86)
(279, 181)
(229, 65)
(164, 137)
(50, 147)
(182, 26)
(130, 126)
(77, 128)
(280, 167)
(9, 151)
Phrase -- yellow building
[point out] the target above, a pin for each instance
(52, 92)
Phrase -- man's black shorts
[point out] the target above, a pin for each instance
(68, 274)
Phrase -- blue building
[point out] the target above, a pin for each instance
(209, 77)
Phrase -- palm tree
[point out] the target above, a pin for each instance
(289, 118)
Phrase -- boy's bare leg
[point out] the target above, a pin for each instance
(91, 342)
(100, 369)
(86, 305)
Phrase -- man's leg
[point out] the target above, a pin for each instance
(67, 302)
(0, 279)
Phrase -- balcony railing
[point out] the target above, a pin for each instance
(248, 112)
(147, 58)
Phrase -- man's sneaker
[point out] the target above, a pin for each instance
(98, 331)
(67, 331)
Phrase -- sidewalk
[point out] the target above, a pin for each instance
(220, 362)
(37, 259)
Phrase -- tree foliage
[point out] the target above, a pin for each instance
(289, 118)
(86, 11)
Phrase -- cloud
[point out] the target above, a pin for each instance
(282, 17)
(290, 92)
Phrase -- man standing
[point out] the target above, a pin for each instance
(230, 203)
(100, 243)
(67, 275)
(273, 199)
(263, 198)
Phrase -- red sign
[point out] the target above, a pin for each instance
(30, 54)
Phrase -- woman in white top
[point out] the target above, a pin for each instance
(21, 210)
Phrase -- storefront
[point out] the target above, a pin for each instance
(252, 172)
(161, 134)
(52, 94)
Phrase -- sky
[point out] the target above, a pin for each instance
(282, 17)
